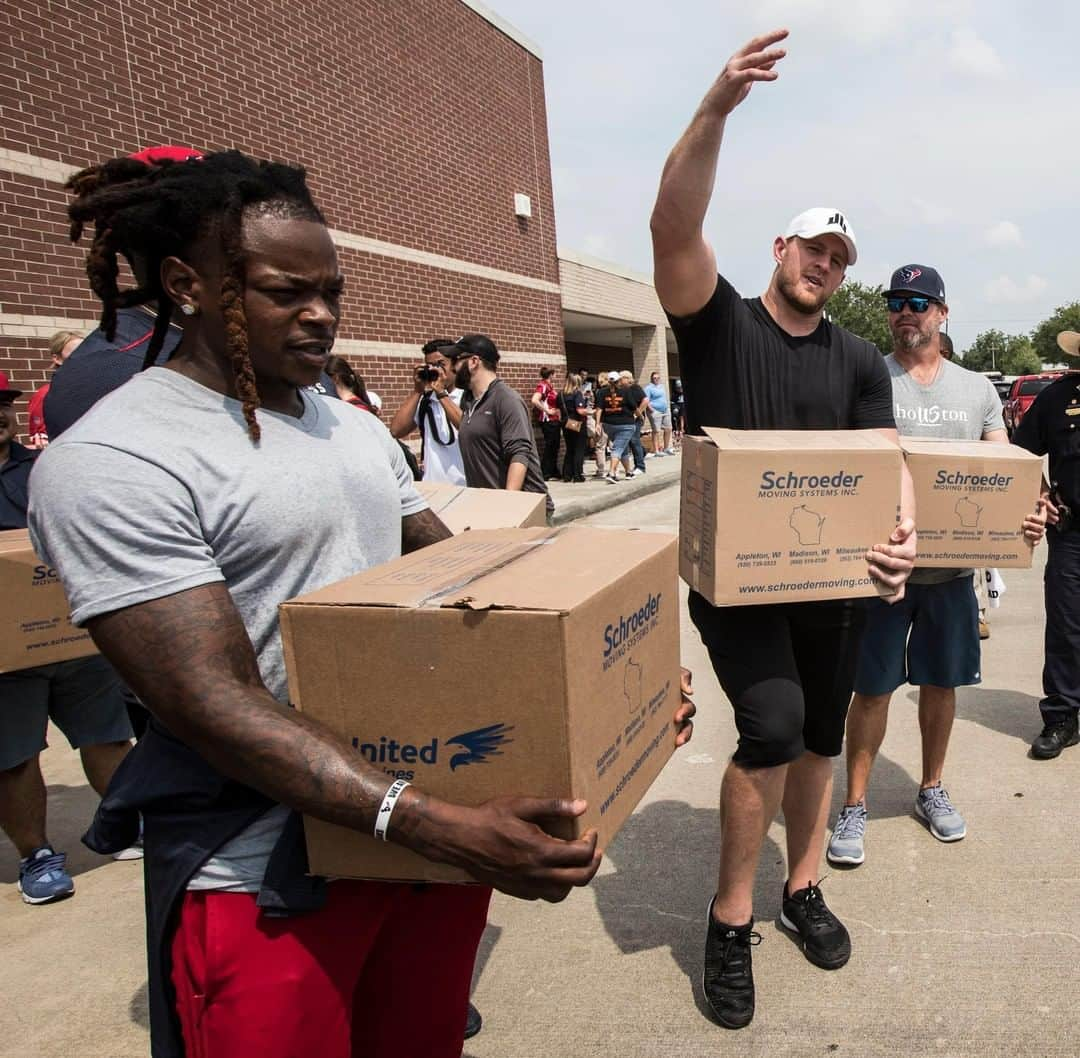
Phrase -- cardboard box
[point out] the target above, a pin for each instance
(971, 498)
(769, 516)
(462, 509)
(35, 626)
(518, 661)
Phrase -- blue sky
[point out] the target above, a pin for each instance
(946, 132)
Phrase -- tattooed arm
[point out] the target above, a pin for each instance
(189, 658)
(419, 530)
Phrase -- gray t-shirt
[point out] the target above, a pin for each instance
(159, 489)
(958, 405)
(495, 431)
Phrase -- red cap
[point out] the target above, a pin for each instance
(6, 392)
(154, 155)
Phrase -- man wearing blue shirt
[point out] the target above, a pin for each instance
(659, 416)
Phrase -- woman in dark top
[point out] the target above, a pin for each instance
(573, 404)
(350, 386)
(351, 389)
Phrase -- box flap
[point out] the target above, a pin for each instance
(526, 569)
(797, 440)
(14, 540)
(943, 447)
(463, 509)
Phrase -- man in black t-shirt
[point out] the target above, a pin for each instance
(771, 362)
(618, 405)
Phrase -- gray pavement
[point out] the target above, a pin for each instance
(959, 950)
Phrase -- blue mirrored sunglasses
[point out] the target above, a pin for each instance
(919, 305)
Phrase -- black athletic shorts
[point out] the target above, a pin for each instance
(788, 670)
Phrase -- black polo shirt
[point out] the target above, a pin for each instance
(1051, 426)
(15, 486)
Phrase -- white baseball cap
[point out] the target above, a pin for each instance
(824, 220)
(612, 376)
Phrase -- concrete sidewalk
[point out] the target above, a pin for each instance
(961, 951)
(581, 499)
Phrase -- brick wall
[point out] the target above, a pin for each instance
(417, 122)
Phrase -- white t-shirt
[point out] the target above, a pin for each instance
(442, 461)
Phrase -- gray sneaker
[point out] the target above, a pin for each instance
(846, 843)
(935, 809)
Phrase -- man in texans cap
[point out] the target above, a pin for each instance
(930, 638)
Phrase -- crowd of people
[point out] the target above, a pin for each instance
(203, 456)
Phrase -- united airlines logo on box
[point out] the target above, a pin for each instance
(476, 747)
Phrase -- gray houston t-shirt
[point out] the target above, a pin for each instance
(159, 489)
(958, 405)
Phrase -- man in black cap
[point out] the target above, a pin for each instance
(495, 435)
(1050, 427)
(930, 638)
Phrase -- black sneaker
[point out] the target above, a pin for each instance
(473, 1022)
(825, 941)
(1055, 737)
(728, 978)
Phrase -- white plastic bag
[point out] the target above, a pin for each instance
(995, 587)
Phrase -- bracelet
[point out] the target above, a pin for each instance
(382, 817)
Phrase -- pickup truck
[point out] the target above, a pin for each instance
(1024, 390)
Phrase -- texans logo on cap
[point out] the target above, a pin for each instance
(910, 274)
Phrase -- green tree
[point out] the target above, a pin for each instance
(1011, 354)
(1044, 337)
(861, 309)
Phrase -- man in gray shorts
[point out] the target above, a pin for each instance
(83, 698)
(931, 637)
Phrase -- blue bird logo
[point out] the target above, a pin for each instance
(479, 745)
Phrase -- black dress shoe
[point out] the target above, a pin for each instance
(473, 1022)
(1055, 737)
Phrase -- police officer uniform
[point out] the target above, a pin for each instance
(1051, 427)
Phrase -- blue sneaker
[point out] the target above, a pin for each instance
(42, 877)
(935, 809)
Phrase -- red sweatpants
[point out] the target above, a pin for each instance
(383, 970)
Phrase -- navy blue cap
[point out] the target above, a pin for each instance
(917, 279)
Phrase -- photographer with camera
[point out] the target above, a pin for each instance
(434, 408)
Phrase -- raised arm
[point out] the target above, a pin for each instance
(684, 263)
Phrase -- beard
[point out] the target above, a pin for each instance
(461, 377)
(911, 339)
(803, 302)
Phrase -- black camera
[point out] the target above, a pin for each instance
(428, 374)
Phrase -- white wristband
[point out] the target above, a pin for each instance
(382, 817)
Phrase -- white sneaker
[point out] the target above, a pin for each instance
(132, 852)
(636, 472)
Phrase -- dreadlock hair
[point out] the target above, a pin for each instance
(149, 212)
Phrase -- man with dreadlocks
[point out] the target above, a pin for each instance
(180, 511)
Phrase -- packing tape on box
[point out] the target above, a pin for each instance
(437, 598)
